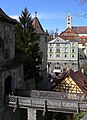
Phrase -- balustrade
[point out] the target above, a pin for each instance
(55, 101)
(58, 95)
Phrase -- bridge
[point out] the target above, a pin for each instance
(54, 101)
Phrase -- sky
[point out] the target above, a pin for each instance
(51, 13)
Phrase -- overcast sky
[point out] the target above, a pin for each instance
(51, 13)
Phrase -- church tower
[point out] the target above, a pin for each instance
(68, 21)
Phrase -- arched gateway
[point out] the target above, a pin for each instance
(8, 86)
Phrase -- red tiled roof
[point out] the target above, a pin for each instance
(80, 29)
(5, 17)
(83, 37)
(78, 77)
(37, 26)
(69, 34)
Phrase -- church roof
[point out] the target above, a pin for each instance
(69, 34)
(4, 17)
(80, 29)
(38, 27)
(78, 77)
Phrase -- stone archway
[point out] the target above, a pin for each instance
(8, 85)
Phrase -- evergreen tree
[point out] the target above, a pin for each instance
(27, 46)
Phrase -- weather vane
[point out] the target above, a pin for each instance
(36, 14)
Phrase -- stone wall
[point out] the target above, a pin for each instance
(7, 41)
(17, 79)
(9, 114)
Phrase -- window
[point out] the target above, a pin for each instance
(66, 45)
(73, 44)
(73, 50)
(58, 50)
(57, 67)
(57, 55)
(50, 55)
(73, 56)
(65, 55)
(57, 44)
(50, 49)
(66, 50)
(68, 22)
(64, 63)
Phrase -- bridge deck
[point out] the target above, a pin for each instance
(55, 101)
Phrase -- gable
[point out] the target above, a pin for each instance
(69, 34)
(57, 40)
(68, 85)
(38, 27)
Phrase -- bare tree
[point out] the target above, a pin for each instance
(82, 2)
(83, 5)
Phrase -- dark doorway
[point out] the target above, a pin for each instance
(8, 85)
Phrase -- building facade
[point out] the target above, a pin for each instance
(11, 72)
(62, 55)
(80, 34)
(71, 82)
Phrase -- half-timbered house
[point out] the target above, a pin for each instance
(72, 82)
